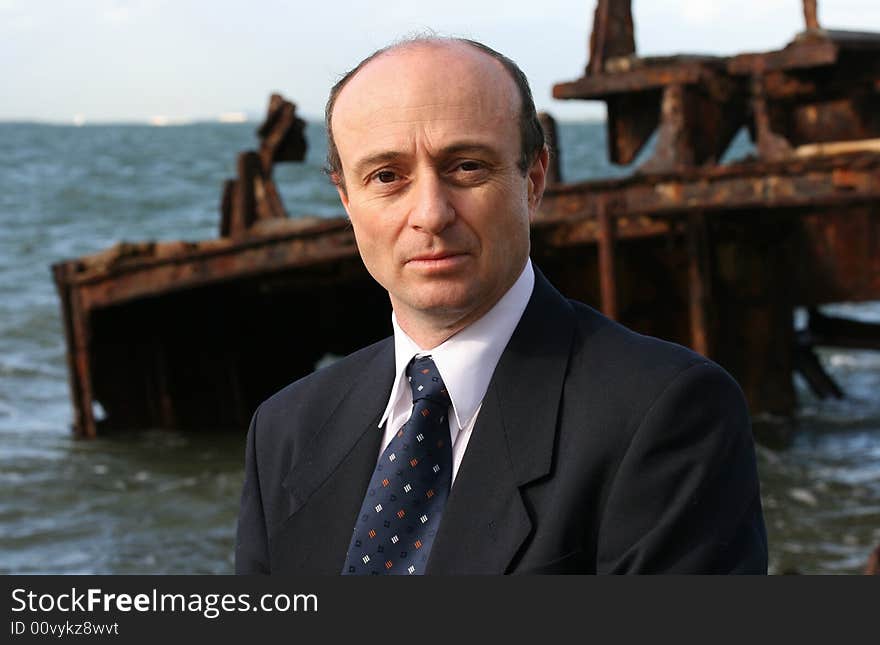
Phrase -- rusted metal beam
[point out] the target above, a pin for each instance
(807, 364)
(797, 55)
(811, 14)
(158, 269)
(802, 183)
(814, 50)
(834, 331)
(694, 129)
(675, 148)
(253, 196)
(612, 35)
(849, 41)
(632, 119)
(548, 124)
(576, 230)
(281, 134)
(77, 333)
(702, 109)
(838, 148)
(249, 172)
(607, 266)
(839, 257)
(699, 297)
(677, 70)
(772, 145)
(830, 331)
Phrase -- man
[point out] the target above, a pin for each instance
(503, 428)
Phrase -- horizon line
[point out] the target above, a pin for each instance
(170, 122)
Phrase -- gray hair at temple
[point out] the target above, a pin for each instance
(531, 132)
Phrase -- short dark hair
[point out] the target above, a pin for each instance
(531, 132)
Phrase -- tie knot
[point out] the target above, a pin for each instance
(425, 381)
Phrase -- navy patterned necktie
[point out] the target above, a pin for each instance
(401, 511)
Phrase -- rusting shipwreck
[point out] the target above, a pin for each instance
(714, 256)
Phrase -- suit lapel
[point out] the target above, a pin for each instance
(485, 522)
(326, 487)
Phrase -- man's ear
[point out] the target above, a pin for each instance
(537, 180)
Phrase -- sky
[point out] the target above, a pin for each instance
(180, 60)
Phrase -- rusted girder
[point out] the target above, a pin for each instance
(699, 283)
(697, 106)
(818, 89)
(613, 34)
(607, 265)
(811, 14)
(253, 196)
(798, 55)
(695, 129)
(128, 273)
(832, 331)
(77, 334)
(548, 124)
(800, 183)
(281, 134)
(808, 365)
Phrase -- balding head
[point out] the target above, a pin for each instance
(530, 130)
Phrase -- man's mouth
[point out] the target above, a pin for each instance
(434, 256)
(437, 260)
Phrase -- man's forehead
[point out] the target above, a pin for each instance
(411, 75)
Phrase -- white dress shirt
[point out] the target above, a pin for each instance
(466, 362)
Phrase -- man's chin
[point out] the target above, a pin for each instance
(448, 301)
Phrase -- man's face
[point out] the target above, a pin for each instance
(429, 141)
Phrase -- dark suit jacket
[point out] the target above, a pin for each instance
(596, 450)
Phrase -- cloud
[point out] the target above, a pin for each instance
(709, 13)
(14, 18)
(699, 13)
(126, 12)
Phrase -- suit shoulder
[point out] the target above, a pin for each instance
(317, 386)
(632, 363)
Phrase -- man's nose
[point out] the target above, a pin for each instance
(432, 210)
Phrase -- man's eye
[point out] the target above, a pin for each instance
(469, 166)
(385, 176)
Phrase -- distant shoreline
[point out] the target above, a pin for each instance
(182, 123)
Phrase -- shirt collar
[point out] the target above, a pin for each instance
(467, 360)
